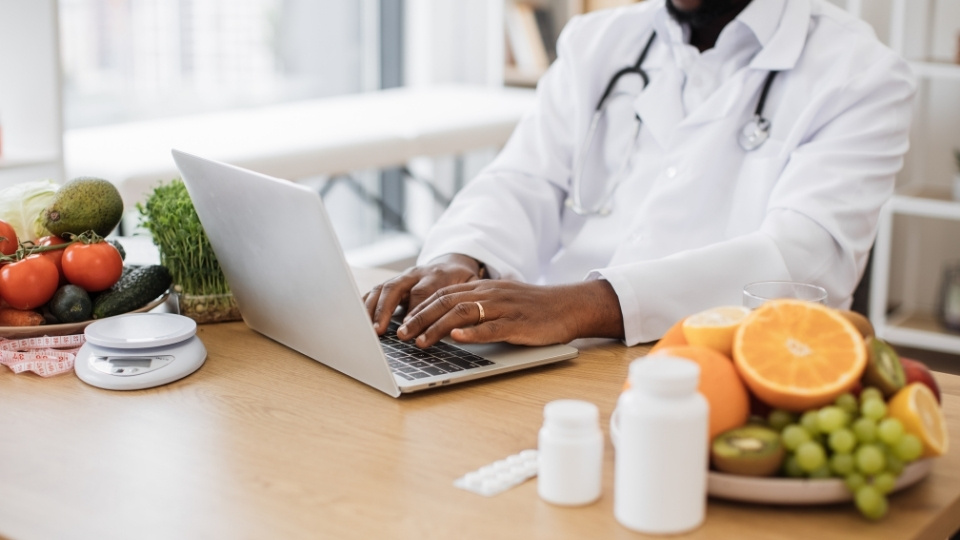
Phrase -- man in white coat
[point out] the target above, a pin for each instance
(689, 188)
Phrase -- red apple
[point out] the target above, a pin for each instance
(917, 371)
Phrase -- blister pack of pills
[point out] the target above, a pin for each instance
(500, 475)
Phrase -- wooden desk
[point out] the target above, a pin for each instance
(265, 443)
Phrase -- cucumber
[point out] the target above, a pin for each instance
(133, 291)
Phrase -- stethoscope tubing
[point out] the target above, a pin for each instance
(752, 136)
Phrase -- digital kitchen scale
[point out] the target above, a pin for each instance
(139, 350)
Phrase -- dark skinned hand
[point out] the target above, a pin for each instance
(413, 286)
(516, 313)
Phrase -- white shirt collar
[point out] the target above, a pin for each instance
(779, 26)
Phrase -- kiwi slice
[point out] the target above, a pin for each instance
(883, 370)
(749, 450)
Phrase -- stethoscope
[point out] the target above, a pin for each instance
(751, 136)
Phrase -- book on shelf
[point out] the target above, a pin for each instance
(526, 45)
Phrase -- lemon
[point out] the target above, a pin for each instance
(917, 409)
(715, 327)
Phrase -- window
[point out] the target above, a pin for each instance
(127, 60)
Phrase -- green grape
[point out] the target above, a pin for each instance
(779, 419)
(842, 441)
(831, 418)
(854, 481)
(793, 436)
(870, 459)
(908, 448)
(791, 468)
(865, 429)
(874, 409)
(810, 422)
(822, 471)
(871, 502)
(894, 464)
(890, 430)
(848, 402)
(884, 482)
(842, 464)
(869, 393)
(810, 456)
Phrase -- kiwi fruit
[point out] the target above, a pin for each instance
(884, 370)
(750, 450)
(859, 321)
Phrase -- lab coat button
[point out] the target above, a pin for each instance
(671, 172)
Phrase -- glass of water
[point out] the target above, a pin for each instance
(755, 294)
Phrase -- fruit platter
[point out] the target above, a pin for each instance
(808, 406)
(58, 270)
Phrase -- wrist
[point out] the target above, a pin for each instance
(597, 310)
(470, 264)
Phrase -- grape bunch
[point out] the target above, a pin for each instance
(851, 439)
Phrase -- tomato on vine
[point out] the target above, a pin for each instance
(8, 239)
(55, 256)
(29, 283)
(92, 266)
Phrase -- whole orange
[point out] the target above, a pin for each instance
(720, 384)
(673, 336)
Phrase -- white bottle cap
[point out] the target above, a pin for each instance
(665, 375)
(571, 415)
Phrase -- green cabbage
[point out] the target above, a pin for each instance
(22, 204)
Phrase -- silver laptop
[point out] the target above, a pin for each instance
(284, 264)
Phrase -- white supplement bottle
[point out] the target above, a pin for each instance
(660, 433)
(570, 453)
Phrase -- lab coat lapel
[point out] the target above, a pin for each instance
(780, 53)
(660, 105)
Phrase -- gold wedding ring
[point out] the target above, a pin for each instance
(482, 317)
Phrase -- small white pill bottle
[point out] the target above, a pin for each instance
(570, 453)
(659, 430)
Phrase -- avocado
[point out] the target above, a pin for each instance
(750, 450)
(84, 204)
(71, 304)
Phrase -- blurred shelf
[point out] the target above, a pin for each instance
(936, 70)
(514, 76)
(920, 330)
(23, 161)
(931, 201)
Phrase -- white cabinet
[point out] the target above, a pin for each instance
(30, 117)
(920, 226)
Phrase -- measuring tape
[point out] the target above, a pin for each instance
(40, 354)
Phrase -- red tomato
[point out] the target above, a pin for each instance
(29, 283)
(92, 267)
(55, 256)
(8, 238)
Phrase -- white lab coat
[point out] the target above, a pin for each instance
(696, 217)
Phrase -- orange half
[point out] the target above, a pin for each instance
(798, 355)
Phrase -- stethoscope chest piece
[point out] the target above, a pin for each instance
(754, 134)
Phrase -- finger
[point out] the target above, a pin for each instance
(461, 314)
(437, 293)
(489, 332)
(390, 295)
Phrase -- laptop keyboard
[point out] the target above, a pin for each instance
(411, 362)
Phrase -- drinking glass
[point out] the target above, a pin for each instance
(760, 292)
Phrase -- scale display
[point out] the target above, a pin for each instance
(127, 366)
